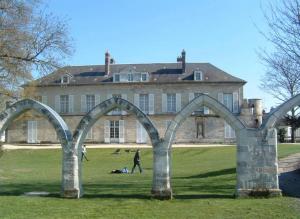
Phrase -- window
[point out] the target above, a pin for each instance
(116, 77)
(130, 77)
(114, 129)
(65, 79)
(64, 103)
(197, 75)
(144, 102)
(228, 101)
(171, 103)
(90, 102)
(229, 131)
(89, 135)
(144, 77)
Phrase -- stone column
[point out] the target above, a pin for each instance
(161, 187)
(257, 166)
(71, 186)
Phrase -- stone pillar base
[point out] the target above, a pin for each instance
(75, 193)
(245, 193)
(162, 194)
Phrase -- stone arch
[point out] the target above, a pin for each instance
(20, 107)
(106, 106)
(62, 130)
(202, 100)
(280, 111)
(100, 110)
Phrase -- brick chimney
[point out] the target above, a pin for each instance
(107, 63)
(182, 60)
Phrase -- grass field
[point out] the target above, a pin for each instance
(203, 181)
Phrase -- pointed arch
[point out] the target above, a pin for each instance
(106, 106)
(202, 100)
(280, 111)
(70, 187)
(20, 107)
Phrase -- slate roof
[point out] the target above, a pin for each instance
(158, 73)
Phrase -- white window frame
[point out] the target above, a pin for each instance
(171, 102)
(89, 135)
(198, 76)
(229, 132)
(117, 76)
(90, 101)
(226, 100)
(144, 103)
(64, 104)
(63, 81)
(144, 75)
(130, 77)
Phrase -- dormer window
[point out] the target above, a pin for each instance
(130, 77)
(65, 79)
(198, 76)
(144, 77)
(116, 77)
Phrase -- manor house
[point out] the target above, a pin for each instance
(160, 90)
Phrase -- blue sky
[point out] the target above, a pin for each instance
(222, 32)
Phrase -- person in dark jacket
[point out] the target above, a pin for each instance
(137, 161)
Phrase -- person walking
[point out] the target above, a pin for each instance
(83, 153)
(137, 161)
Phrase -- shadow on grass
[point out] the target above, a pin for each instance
(210, 174)
(204, 196)
(21, 188)
(289, 183)
(117, 196)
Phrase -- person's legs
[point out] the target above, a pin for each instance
(140, 167)
(132, 171)
(85, 157)
(82, 156)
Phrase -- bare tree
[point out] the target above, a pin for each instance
(282, 78)
(30, 40)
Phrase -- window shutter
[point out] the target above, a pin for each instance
(178, 102)
(83, 103)
(206, 109)
(191, 96)
(137, 100)
(138, 132)
(71, 103)
(124, 96)
(235, 102)
(106, 131)
(121, 131)
(97, 99)
(220, 98)
(151, 104)
(57, 103)
(226, 130)
(164, 102)
(44, 100)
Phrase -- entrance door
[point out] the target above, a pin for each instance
(32, 132)
(141, 133)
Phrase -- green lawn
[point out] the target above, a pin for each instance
(203, 181)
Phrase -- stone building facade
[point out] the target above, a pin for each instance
(160, 90)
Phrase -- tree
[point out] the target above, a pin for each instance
(282, 78)
(30, 40)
